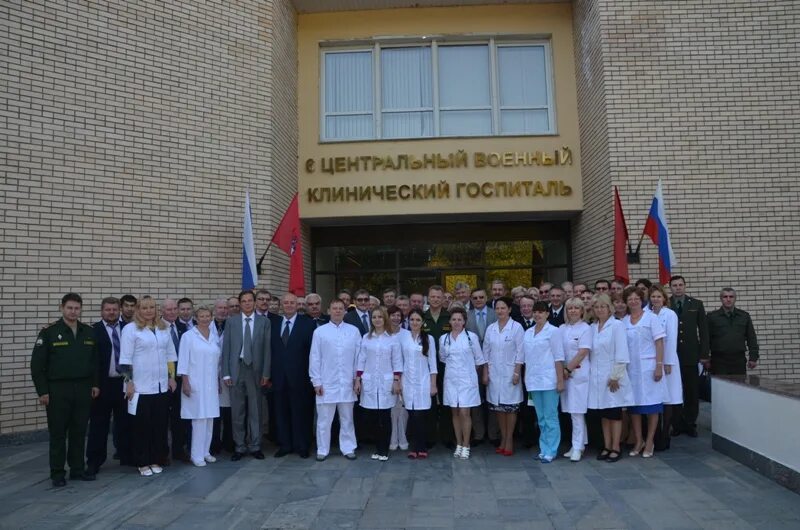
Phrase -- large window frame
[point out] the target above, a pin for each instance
(495, 107)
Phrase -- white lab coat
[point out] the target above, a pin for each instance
(642, 350)
(609, 348)
(669, 320)
(147, 352)
(417, 370)
(332, 362)
(541, 352)
(224, 391)
(461, 355)
(573, 337)
(199, 359)
(379, 357)
(503, 351)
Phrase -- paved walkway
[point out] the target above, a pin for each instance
(689, 486)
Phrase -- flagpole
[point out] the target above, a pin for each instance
(264, 255)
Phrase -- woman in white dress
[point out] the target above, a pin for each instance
(544, 378)
(609, 386)
(378, 369)
(502, 349)
(672, 369)
(646, 369)
(576, 342)
(147, 359)
(198, 363)
(461, 353)
(399, 412)
(419, 380)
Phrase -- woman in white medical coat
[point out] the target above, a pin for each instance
(502, 349)
(378, 371)
(576, 341)
(419, 380)
(198, 363)
(646, 369)
(609, 387)
(461, 353)
(399, 412)
(672, 369)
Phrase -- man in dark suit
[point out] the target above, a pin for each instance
(527, 426)
(291, 386)
(108, 332)
(179, 428)
(314, 310)
(556, 317)
(360, 318)
(479, 317)
(693, 347)
(246, 363)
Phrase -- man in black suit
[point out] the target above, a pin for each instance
(693, 347)
(360, 318)
(291, 386)
(108, 332)
(179, 429)
(556, 317)
(314, 310)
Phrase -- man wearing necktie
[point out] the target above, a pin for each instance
(292, 392)
(180, 429)
(246, 368)
(693, 347)
(112, 397)
(479, 317)
(314, 310)
(556, 317)
(360, 317)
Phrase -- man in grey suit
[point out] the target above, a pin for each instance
(479, 317)
(246, 360)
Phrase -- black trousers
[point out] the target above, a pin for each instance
(150, 429)
(729, 366)
(440, 419)
(417, 430)
(686, 418)
(294, 417)
(110, 402)
(179, 429)
(222, 432)
(381, 420)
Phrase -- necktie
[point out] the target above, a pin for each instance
(365, 321)
(247, 354)
(174, 335)
(680, 307)
(115, 346)
(285, 334)
(482, 323)
(527, 323)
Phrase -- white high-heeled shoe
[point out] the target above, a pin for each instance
(457, 452)
(465, 453)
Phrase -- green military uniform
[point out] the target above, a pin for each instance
(692, 348)
(64, 366)
(436, 328)
(731, 335)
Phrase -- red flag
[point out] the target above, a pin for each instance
(287, 238)
(620, 241)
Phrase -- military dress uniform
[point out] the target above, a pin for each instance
(692, 348)
(64, 366)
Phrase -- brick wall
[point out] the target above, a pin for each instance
(131, 130)
(704, 94)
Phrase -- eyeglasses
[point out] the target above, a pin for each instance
(362, 299)
(478, 297)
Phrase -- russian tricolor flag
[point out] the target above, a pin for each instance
(656, 229)
(249, 274)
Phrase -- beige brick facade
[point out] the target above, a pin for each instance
(703, 94)
(131, 130)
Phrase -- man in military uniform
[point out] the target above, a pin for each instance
(436, 323)
(64, 371)
(732, 336)
(692, 348)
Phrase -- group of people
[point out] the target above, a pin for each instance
(191, 382)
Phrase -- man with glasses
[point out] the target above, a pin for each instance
(263, 298)
(602, 287)
(480, 317)
(360, 318)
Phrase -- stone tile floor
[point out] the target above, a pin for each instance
(689, 486)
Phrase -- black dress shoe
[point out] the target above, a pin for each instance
(59, 482)
(115, 456)
(88, 476)
(280, 453)
(237, 456)
(258, 455)
(303, 454)
(692, 432)
(676, 432)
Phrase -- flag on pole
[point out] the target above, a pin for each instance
(620, 241)
(287, 237)
(657, 230)
(249, 275)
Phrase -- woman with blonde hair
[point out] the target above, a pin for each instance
(659, 305)
(147, 359)
(576, 341)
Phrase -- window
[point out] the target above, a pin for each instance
(435, 89)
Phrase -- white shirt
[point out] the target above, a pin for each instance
(148, 352)
(332, 361)
(541, 350)
(112, 372)
(189, 325)
(379, 357)
(361, 318)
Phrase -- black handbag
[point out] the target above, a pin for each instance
(704, 382)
